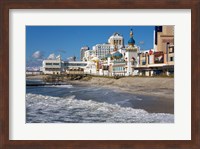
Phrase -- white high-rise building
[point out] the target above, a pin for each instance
(101, 50)
(82, 52)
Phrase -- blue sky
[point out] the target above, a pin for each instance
(41, 41)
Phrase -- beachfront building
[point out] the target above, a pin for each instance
(159, 61)
(115, 59)
(156, 63)
(74, 67)
(93, 66)
(57, 66)
(131, 61)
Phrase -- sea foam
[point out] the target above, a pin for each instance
(47, 109)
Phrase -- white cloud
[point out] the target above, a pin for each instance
(37, 55)
(52, 56)
(35, 60)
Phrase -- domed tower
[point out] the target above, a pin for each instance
(131, 55)
(131, 41)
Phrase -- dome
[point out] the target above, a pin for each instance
(131, 41)
(117, 55)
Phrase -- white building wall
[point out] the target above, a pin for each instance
(130, 63)
(91, 68)
(89, 54)
(52, 66)
(101, 50)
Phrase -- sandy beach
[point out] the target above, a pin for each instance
(137, 85)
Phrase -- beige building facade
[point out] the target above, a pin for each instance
(164, 37)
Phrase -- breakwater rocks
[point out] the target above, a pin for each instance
(62, 78)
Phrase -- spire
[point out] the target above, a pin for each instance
(131, 33)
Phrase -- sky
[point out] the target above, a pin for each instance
(42, 41)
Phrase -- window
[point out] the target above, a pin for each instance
(48, 63)
(171, 59)
(56, 64)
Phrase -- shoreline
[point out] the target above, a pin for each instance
(161, 87)
(157, 94)
(160, 91)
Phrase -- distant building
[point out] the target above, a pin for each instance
(82, 52)
(51, 66)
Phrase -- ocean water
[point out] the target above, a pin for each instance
(86, 104)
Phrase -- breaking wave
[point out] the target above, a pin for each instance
(47, 109)
(61, 86)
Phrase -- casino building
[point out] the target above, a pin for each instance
(121, 62)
